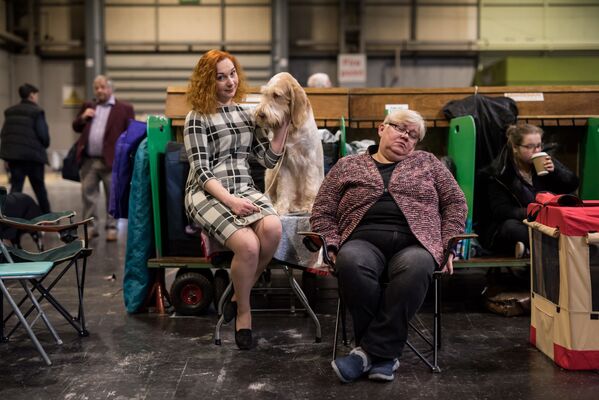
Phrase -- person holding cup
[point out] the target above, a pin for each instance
(513, 179)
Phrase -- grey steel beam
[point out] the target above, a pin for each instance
(280, 36)
(94, 42)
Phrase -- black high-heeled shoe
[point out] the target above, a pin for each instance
(243, 339)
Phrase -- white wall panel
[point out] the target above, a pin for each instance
(236, 2)
(167, 2)
(128, 24)
(55, 23)
(386, 23)
(314, 23)
(115, 61)
(189, 24)
(247, 24)
(428, 73)
(544, 25)
(512, 3)
(55, 74)
(511, 25)
(446, 23)
(579, 24)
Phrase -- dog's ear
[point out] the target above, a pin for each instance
(299, 103)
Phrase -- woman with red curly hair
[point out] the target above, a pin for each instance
(220, 195)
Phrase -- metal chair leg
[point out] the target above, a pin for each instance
(221, 319)
(343, 325)
(340, 320)
(23, 321)
(438, 310)
(2, 337)
(436, 325)
(299, 293)
(433, 342)
(337, 317)
(41, 312)
(77, 322)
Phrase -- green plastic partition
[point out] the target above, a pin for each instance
(461, 148)
(589, 188)
(342, 149)
(159, 134)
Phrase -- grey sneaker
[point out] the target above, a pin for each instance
(352, 366)
(384, 370)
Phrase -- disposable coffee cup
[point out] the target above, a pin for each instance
(538, 160)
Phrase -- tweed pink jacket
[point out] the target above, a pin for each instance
(423, 188)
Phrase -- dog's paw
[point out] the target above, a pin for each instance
(281, 210)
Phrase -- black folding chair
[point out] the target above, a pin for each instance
(315, 242)
(20, 205)
(73, 253)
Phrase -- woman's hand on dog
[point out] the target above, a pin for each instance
(279, 137)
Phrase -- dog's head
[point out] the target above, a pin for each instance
(283, 99)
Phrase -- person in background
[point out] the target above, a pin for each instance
(319, 80)
(100, 123)
(512, 183)
(387, 215)
(23, 143)
(220, 196)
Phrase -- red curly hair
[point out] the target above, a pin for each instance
(201, 90)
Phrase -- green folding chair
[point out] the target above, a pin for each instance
(73, 253)
(25, 273)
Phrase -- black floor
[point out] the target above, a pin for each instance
(150, 356)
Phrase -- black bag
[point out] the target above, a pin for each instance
(179, 241)
(70, 167)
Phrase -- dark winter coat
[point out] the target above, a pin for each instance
(492, 116)
(24, 135)
(508, 194)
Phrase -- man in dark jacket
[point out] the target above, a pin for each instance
(100, 123)
(23, 143)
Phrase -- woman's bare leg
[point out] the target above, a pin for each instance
(246, 248)
(268, 230)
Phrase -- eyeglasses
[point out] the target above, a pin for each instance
(532, 146)
(413, 135)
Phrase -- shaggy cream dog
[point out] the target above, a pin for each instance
(298, 178)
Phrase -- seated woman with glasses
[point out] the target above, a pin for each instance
(386, 216)
(512, 183)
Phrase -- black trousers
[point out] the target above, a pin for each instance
(19, 170)
(383, 285)
(508, 233)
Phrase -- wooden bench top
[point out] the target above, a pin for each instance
(329, 104)
(361, 107)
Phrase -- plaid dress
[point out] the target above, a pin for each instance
(218, 146)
